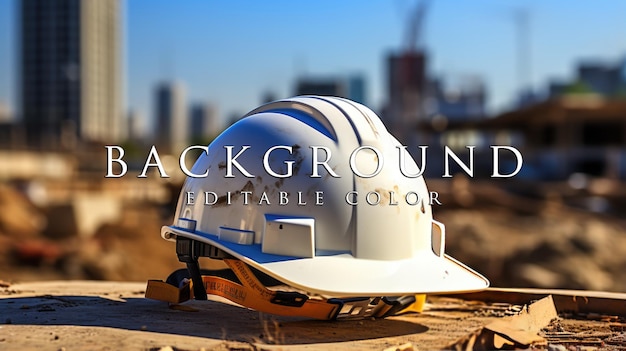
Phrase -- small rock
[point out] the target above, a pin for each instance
(143, 328)
(556, 347)
(587, 348)
(404, 347)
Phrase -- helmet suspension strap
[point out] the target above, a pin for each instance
(188, 251)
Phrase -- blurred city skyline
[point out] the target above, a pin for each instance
(234, 54)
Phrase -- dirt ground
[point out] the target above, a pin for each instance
(89, 315)
(64, 316)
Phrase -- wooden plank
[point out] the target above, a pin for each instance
(519, 331)
(576, 301)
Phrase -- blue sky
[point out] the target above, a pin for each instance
(230, 52)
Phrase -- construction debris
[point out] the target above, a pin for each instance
(597, 304)
(514, 332)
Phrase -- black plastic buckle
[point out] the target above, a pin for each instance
(289, 298)
(188, 251)
(398, 303)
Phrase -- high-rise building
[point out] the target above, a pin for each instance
(458, 100)
(204, 124)
(268, 96)
(352, 87)
(71, 71)
(607, 79)
(357, 89)
(171, 117)
(136, 127)
(5, 115)
(406, 93)
(601, 78)
(331, 86)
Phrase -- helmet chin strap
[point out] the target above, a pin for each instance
(249, 291)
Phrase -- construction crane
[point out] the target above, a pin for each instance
(415, 25)
(407, 75)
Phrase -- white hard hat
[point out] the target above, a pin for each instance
(313, 195)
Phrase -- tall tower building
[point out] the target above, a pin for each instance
(5, 115)
(135, 126)
(71, 85)
(357, 89)
(406, 91)
(171, 117)
(331, 86)
(204, 123)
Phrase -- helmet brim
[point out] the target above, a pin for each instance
(343, 275)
